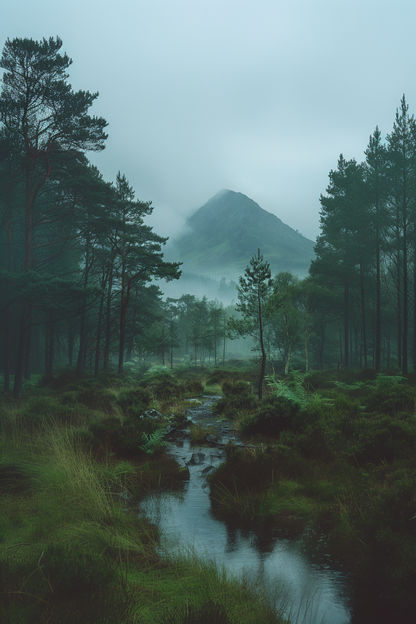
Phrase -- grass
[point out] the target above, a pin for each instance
(73, 547)
(344, 458)
(71, 482)
(198, 433)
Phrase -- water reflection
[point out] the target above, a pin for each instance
(290, 562)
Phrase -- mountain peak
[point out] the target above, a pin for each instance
(228, 229)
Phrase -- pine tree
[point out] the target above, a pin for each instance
(402, 206)
(253, 291)
(47, 119)
(375, 177)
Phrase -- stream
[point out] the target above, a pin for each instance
(291, 564)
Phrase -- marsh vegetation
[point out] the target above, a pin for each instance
(333, 449)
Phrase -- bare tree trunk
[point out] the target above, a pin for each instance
(108, 321)
(25, 320)
(98, 336)
(346, 324)
(7, 350)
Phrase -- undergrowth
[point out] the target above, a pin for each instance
(76, 457)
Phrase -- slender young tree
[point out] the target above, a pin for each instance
(253, 291)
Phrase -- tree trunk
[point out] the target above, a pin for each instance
(414, 312)
(51, 348)
(7, 350)
(70, 343)
(346, 324)
(21, 352)
(46, 349)
(363, 316)
(405, 296)
(108, 321)
(98, 336)
(378, 309)
(81, 351)
(263, 351)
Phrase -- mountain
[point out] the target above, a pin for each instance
(224, 233)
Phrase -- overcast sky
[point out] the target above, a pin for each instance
(258, 97)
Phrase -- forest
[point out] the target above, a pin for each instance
(316, 376)
(81, 272)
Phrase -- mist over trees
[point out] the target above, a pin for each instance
(358, 305)
(75, 248)
(80, 268)
(366, 252)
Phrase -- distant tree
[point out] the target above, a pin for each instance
(138, 251)
(200, 331)
(185, 305)
(216, 313)
(171, 312)
(285, 315)
(253, 290)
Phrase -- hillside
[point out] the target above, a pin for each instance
(225, 232)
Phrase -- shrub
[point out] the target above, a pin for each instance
(236, 388)
(166, 389)
(198, 433)
(392, 399)
(39, 408)
(129, 439)
(217, 377)
(238, 398)
(194, 387)
(97, 398)
(380, 438)
(271, 418)
(134, 402)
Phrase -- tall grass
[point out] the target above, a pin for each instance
(74, 549)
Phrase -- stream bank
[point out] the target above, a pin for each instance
(289, 562)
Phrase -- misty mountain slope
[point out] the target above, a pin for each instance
(225, 232)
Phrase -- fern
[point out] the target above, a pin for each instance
(291, 389)
(153, 441)
(388, 380)
(356, 385)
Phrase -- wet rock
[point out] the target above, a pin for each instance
(208, 469)
(211, 439)
(152, 414)
(237, 442)
(196, 458)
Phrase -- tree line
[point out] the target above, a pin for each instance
(357, 307)
(72, 244)
(366, 252)
(80, 267)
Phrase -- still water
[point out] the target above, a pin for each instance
(292, 566)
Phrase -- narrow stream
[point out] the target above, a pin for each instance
(292, 566)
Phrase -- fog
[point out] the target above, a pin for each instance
(257, 97)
